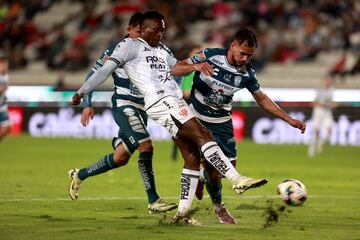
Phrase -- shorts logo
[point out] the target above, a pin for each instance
(183, 112)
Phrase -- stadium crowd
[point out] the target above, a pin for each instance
(294, 30)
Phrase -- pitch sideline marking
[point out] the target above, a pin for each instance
(144, 198)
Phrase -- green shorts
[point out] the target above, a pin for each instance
(224, 136)
(132, 123)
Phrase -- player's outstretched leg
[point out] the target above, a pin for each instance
(214, 155)
(160, 206)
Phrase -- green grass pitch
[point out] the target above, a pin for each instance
(34, 185)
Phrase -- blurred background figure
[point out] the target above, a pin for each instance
(322, 117)
(4, 79)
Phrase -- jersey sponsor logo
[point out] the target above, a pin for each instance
(185, 187)
(218, 163)
(215, 98)
(155, 62)
(218, 62)
(222, 85)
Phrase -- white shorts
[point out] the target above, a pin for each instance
(322, 117)
(169, 109)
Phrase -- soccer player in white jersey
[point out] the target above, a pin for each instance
(322, 117)
(129, 114)
(5, 124)
(211, 99)
(148, 66)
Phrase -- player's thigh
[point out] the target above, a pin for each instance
(132, 124)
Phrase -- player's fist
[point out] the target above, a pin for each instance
(298, 124)
(205, 68)
(76, 99)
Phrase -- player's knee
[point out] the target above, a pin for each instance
(121, 158)
(146, 146)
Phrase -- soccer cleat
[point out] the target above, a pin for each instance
(199, 193)
(75, 184)
(246, 183)
(185, 219)
(224, 216)
(161, 205)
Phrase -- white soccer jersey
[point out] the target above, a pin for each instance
(148, 68)
(324, 96)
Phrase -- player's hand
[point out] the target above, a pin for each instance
(205, 68)
(86, 116)
(76, 99)
(298, 124)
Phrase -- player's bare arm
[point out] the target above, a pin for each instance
(270, 106)
(184, 68)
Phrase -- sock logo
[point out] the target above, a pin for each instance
(99, 164)
(144, 175)
(218, 163)
(185, 187)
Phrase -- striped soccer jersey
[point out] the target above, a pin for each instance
(211, 96)
(4, 79)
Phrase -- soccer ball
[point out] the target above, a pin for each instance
(292, 192)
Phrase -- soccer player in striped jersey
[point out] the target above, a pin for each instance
(5, 124)
(129, 115)
(211, 99)
(149, 66)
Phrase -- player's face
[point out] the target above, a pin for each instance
(240, 54)
(134, 31)
(152, 31)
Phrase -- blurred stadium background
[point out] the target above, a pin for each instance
(52, 44)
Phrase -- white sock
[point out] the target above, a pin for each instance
(189, 181)
(201, 176)
(214, 155)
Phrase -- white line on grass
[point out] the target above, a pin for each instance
(144, 198)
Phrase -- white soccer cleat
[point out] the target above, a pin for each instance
(75, 184)
(160, 206)
(185, 219)
(246, 183)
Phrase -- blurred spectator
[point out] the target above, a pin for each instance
(288, 30)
